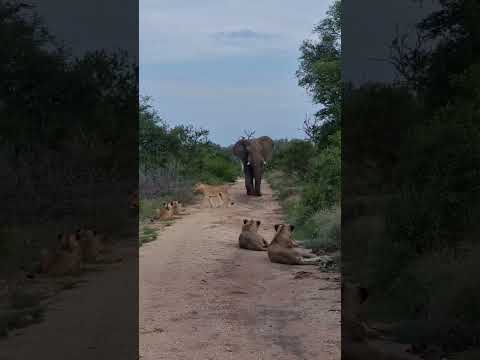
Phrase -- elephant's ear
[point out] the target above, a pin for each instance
(266, 144)
(240, 149)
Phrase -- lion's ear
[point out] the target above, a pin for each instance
(245, 221)
(258, 222)
(276, 226)
(292, 227)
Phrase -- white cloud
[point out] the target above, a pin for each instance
(227, 65)
(182, 30)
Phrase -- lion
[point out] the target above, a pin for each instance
(226, 200)
(177, 207)
(282, 248)
(249, 238)
(66, 259)
(164, 213)
(210, 189)
(217, 196)
(92, 244)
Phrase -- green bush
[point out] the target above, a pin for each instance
(218, 168)
(293, 157)
(193, 155)
(311, 191)
(323, 178)
(322, 230)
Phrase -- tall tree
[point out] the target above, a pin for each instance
(319, 73)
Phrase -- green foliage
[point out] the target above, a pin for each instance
(307, 181)
(41, 110)
(311, 169)
(67, 131)
(293, 155)
(425, 148)
(324, 174)
(147, 234)
(173, 159)
(322, 230)
(194, 156)
(320, 74)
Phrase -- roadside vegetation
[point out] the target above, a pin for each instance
(173, 159)
(412, 234)
(306, 174)
(66, 137)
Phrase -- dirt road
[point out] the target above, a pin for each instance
(201, 297)
(95, 320)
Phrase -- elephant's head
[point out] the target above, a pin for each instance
(254, 152)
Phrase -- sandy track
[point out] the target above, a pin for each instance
(201, 297)
(96, 320)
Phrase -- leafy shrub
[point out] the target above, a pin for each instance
(294, 156)
(310, 193)
(322, 230)
(173, 159)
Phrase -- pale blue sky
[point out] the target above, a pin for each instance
(227, 65)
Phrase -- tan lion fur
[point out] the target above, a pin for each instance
(216, 195)
(282, 248)
(164, 213)
(66, 259)
(177, 207)
(249, 238)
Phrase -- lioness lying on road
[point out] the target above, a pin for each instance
(282, 248)
(177, 207)
(217, 196)
(164, 213)
(250, 239)
(92, 244)
(75, 249)
(65, 259)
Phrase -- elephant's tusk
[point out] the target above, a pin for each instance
(248, 163)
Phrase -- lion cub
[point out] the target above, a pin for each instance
(217, 196)
(177, 207)
(282, 248)
(249, 238)
(226, 200)
(164, 213)
(92, 244)
(66, 259)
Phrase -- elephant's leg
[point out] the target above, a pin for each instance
(258, 184)
(249, 180)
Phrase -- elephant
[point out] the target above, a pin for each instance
(254, 154)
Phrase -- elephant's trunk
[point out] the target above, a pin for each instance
(248, 171)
